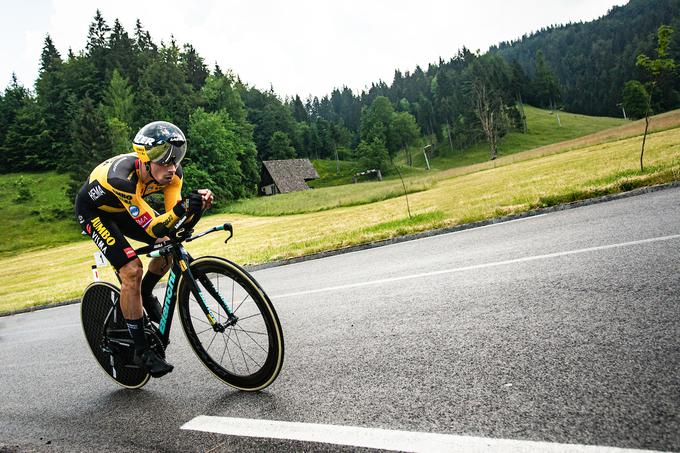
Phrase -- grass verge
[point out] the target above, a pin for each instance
(327, 198)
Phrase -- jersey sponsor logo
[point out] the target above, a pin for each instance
(180, 222)
(126, 197)
(129, 252)
(99, 242)
(144, 220)
(103, 232)
(88, 228)
(134, 210)
(96, 192)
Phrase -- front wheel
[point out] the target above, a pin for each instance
(246, 353)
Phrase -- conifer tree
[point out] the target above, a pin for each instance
(91, 141)
(298, 110)
(54, 103)
(279, 147)
(195, 70)
(97, 51)
(121, 52)
(119, 99)
(546, 89)
(21, 130)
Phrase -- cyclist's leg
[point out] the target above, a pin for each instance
(106, 234)
(130, 289)
(157, 266)
(131, 304)
(157, 269)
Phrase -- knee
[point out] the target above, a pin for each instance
(131, 273)
(160, 265)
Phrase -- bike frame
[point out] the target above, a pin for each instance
(180, 271)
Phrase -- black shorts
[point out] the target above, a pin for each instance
(108, 230)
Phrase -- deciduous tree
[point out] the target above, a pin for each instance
(635, 100)
(657, 70)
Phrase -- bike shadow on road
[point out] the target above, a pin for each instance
(224, 401)
(245, 404)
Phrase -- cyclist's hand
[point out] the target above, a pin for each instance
(207, 198)
(194, 202)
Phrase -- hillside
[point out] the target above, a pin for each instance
(593, 60)
(37, 212)
(543, 129)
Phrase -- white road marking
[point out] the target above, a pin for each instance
(479, 266)
(385, 439)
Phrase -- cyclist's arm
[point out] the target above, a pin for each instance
(155, 226)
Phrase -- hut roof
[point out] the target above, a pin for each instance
(290, 175)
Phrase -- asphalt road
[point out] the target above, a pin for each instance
(562, 328)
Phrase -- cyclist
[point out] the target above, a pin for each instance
(111, 206)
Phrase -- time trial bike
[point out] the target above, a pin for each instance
(227, 317)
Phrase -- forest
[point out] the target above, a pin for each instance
(86, 106)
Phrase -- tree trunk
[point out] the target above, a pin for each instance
(448, 131)
(521, 112)
(407, 155)
(644, 138)
(484, 109)
(492, 138)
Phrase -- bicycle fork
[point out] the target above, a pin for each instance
(232, 319)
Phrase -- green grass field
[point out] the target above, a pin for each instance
(332, 173)
(601, 163)
(37, 212)
(543, 129)
(327, 198)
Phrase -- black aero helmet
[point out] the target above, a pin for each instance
(160, 142)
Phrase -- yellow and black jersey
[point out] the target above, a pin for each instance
(116, 186)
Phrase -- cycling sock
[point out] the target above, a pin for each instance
(149, 281)
(136, 328)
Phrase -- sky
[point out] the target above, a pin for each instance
(304, 47)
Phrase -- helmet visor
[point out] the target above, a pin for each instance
(168, 152)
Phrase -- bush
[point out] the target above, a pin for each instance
(23, 190)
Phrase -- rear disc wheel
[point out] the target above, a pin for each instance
(107, 335)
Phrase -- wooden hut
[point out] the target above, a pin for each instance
(283, 176)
